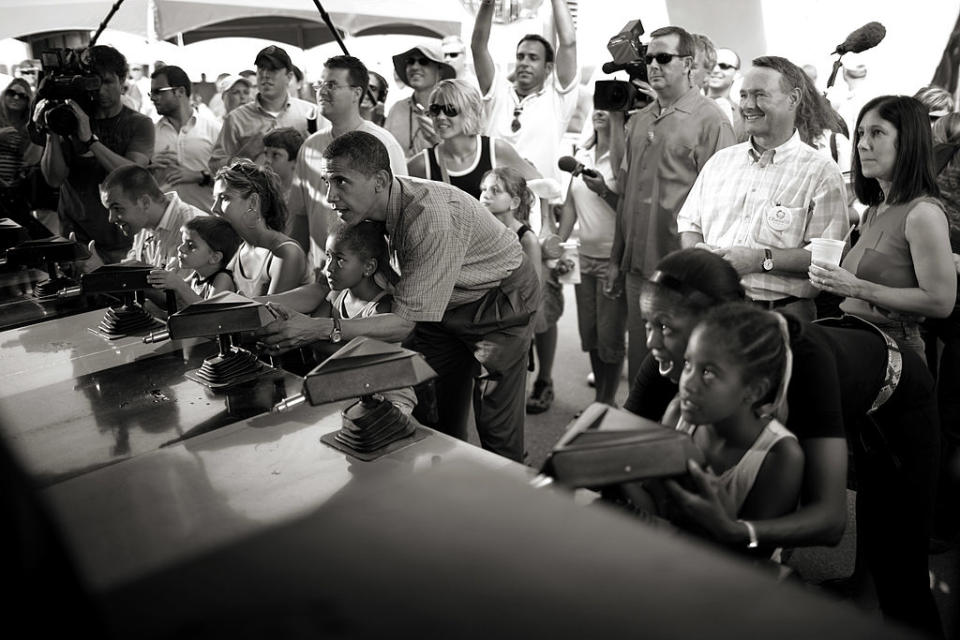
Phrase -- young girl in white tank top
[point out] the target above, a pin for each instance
(360, 276)
(732, 389)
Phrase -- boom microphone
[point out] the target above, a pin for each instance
(570, 165)
(866, 37)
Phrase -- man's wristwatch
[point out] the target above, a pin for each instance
(205, 178)
(335, 334)
(767, 264)
(89, 143)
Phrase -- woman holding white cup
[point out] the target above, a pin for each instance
(901, 269)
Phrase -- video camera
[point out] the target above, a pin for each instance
(66, 76)
(628, 53)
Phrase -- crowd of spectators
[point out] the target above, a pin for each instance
(441, 223)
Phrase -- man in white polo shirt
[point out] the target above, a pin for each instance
(533, 111)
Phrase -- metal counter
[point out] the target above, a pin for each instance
(72, 401)
(259, 530)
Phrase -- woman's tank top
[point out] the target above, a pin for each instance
(468, 180)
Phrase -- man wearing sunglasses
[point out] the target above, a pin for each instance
(533, 112)
(185, 138)
(420, 68)
(667, 143)
(720, 84)
(455, 54)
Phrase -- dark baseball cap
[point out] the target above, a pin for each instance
(274, 58)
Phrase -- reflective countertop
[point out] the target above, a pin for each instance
(260, 530)
(72, 401)
(138, 516)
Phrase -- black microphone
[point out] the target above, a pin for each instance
(866, 37)
(570, 165)
(613, 67)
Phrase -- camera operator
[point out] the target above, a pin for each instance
(666, 144)
(110, 136)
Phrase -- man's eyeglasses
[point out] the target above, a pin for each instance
(515, 125)
(330, 85)
(725, 66)
(661, 58)
(448, 110)
(155, 93)
(17, 94)
(423, 62)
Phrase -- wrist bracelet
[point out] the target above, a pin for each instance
(752, 533)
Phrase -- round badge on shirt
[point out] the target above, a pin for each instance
(779, 218)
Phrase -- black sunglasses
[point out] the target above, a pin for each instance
(725, 66)
(423, 62)
(661, 58)
(17, 94)
(452, 54)
(515, 125)
(448, 110)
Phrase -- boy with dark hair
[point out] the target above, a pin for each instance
(280, 149)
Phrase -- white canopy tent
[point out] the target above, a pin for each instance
(807, 32)
(163, 19)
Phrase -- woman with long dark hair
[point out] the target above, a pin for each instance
(901, 268)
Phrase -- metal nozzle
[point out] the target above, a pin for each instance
(156, 336)
(289, 403)
(541, 481)
(69, 292)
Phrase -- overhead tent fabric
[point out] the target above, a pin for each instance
(164, 19)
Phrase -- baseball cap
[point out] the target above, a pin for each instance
(227, 83)
(274, 58)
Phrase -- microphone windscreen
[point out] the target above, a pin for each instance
(866, 37)
(568, 164)
(611, 67)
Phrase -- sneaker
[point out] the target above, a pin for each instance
(541, 398)
(591, 380)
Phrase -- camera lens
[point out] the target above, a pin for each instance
(60, 119)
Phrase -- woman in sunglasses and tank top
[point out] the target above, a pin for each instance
(463, 156)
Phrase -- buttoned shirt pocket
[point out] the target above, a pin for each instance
(782, 227)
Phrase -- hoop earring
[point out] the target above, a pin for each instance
(246, 219)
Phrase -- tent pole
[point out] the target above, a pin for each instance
(336, 35)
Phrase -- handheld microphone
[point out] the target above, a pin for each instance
(866, 37)
(570, 165)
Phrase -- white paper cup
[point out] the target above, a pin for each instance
(826, 251)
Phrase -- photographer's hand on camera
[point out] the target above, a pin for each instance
(644, 88)
(83, 134)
